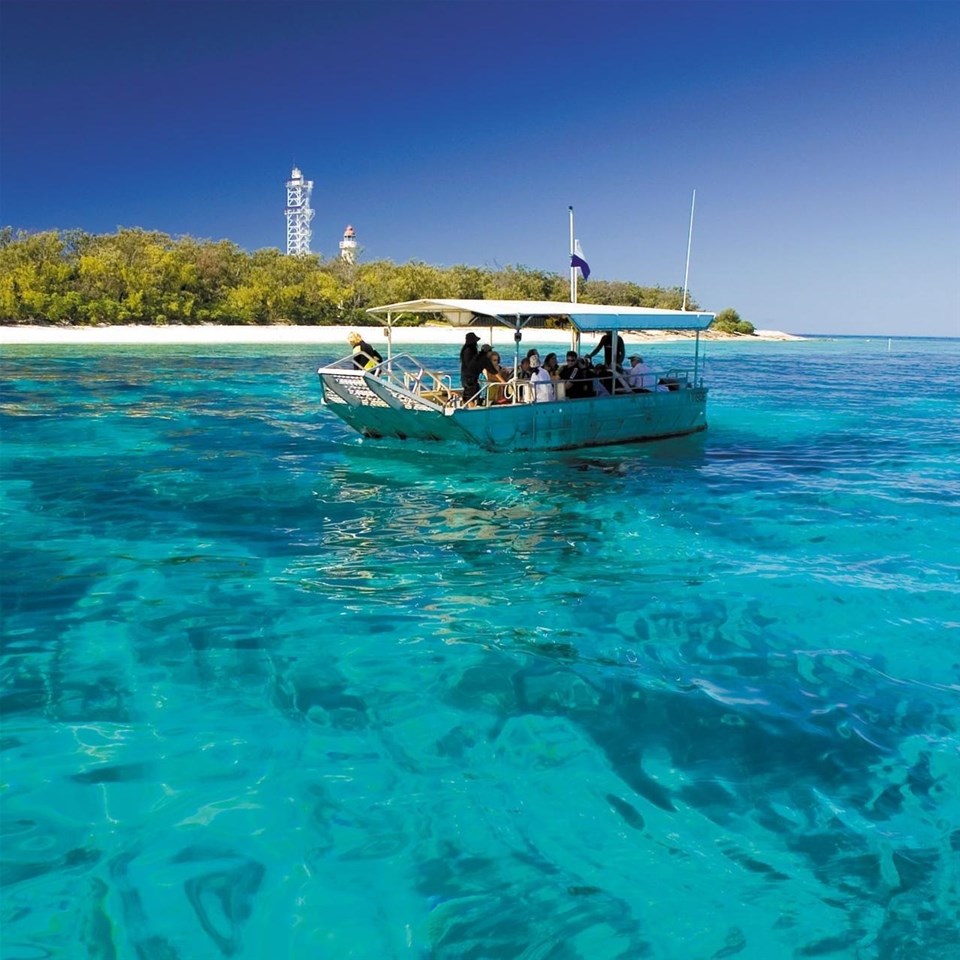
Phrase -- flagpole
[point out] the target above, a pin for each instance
(686, 272)
(573, 269)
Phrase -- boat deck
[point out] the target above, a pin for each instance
(401, 398)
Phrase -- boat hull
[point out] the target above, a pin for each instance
(371, 407)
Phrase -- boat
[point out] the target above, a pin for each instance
(402, 398)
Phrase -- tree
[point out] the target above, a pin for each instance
(520, 283)
(728, 321)
(144, 276)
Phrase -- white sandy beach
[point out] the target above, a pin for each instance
(287, 334)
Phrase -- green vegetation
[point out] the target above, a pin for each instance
(141, 276)
(728, 321)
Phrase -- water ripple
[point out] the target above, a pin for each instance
(428, 703)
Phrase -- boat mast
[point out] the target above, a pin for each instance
(573, 269)
(686, 272)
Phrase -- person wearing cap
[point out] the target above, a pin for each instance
(640, 376)
(469, 381)
(364, 356)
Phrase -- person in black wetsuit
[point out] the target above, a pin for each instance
(469, 381)
(606, 344)
(365, 357)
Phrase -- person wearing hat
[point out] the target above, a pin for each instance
(640, 376)
(469, 380)
(364, 356)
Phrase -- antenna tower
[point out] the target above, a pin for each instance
(298, 213)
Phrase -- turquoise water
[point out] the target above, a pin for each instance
(270, 690)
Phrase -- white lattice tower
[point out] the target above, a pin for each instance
(298, 213)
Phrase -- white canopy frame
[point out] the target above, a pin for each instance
(583, 317)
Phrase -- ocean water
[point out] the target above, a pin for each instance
(274, 691)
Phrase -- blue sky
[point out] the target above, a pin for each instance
(823, 139)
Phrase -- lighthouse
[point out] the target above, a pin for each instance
(348, 245)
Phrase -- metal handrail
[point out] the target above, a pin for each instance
(403, 372)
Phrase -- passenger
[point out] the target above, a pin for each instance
(502, 376)
(364, 356)
(606, 344)
(640, 376)
(572, 375)
(579, 377)
(602, 381)
(540, 378)
(569, 368)
(483, 364)
(552, 365)
(635, 373)
(468, 354)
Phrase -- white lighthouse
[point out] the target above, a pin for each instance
(348, 245)
(298, 213)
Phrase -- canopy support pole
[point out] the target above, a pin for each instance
(516, 350)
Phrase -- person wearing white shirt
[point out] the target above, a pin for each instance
(640, 376)
(540, 378)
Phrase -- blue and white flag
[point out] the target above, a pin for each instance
(577, 261)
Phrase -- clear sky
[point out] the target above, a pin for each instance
(823, 139)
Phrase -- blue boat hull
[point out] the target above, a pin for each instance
(375, 409)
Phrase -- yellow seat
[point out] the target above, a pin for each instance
(443, 395)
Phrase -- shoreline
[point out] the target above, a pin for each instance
(278, 334)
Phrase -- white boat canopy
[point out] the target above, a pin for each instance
(586, 317)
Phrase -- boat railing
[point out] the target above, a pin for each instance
(527, 391)
(512, 391)
(675, 379)
(406, 373)
(403, 374)
(344, 364)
